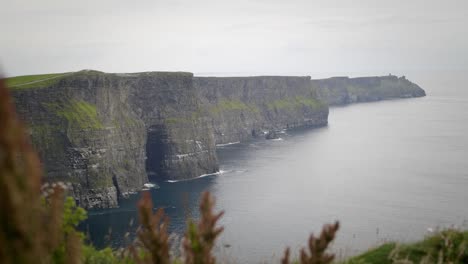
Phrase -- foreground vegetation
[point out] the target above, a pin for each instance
(38, 222)
(445, 246)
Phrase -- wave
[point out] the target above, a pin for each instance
(227, 144)
(147, 186)
(201, 176)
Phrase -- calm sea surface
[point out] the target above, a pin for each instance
(387, 170)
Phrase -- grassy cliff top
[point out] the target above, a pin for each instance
(34, 81)
(46, 80)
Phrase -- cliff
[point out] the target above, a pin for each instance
(344, 90)
(105, 133)
(242, 107)
(109, 134)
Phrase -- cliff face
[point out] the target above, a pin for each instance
(75, 126)
(344, 90)
(108, 134)
(242, 107)
(180, 142)
(104, 132)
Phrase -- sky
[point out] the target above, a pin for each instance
(242, 37)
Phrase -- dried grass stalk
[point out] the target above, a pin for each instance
(200, 239)
(153, 239)
(318, 246)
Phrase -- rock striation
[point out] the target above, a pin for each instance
(109, 134)
(243, 107)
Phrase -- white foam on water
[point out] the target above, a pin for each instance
(148, 186)
(201, 176)
(172, 181)
(227, 144)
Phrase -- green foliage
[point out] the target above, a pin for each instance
(72, 215)
(239, 106)
(34, 81)
(295, 103)
(233, 105)
(446, 246)
(104, 256)
(376, 255)
(192, 235)
(78, 113)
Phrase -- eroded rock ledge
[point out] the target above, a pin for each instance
(109, 134)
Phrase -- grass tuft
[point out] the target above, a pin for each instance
(79, 114)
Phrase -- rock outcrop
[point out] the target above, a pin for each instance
(344, 90)
(242, 107)
(109, 134)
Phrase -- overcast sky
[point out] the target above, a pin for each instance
(243, 37)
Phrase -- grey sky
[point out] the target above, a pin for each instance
(234, 37)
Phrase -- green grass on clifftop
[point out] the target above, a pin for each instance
(33, 81)
(80, 114)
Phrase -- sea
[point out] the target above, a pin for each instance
(392, 170)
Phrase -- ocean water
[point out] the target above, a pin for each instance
(386, 170)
